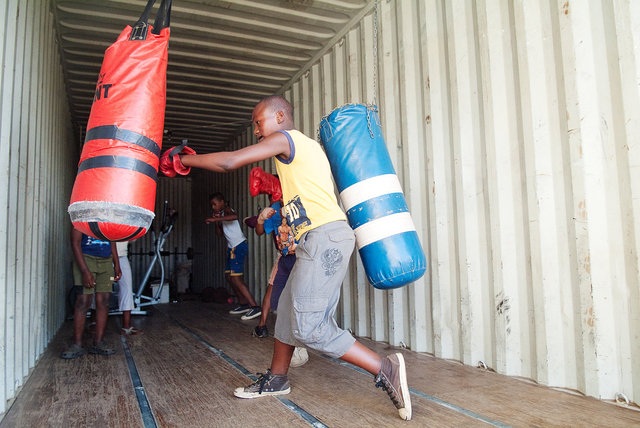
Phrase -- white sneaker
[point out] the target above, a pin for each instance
(299, 358)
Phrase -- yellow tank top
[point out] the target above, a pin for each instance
(307, 185)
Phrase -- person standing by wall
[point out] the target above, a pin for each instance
(94, 263)
(125, 290)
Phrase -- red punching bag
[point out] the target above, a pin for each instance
(114, 193)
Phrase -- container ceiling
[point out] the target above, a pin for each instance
(224, 56)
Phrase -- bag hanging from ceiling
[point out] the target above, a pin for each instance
(114, 193)
(372, 197)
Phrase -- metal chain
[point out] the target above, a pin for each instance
(375, 51)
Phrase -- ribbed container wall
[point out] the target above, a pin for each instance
(177, 193)
(37, 168)
(209, 261)
(513, 127)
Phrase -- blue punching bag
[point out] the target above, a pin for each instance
(372, 197)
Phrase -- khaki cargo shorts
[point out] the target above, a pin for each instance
(102, 270)
(307, 306)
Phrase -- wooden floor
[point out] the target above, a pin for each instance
(182, 372)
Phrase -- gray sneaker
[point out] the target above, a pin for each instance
(393, 379)
(266, 384)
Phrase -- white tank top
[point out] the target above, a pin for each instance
(233, 233)
(122, 248)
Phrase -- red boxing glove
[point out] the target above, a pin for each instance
(255, 181)
(170, 162)
(263, 182)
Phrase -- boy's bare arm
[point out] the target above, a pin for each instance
(274, 145)
(116, 262)
(226, 215)
(76, 248)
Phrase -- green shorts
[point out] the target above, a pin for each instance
(102, 270)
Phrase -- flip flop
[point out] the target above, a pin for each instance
(101, 348)
(73, 351)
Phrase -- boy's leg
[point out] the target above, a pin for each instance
(229, 268)
(266, 300)
(281, 357)
(80, 308)
(104, 287)
(363, 357)
(311, 297)
(83, 301)
(275, 380)
(256, 310)
(235, 268)
(125, 294)
(261, 329)
(242, 290)
(390, 374)
(266, 305)
(102, 313)
(307, 305)
(126, 320)
(241, 298)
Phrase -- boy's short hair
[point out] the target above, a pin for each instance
(218, 196)
(278, 102)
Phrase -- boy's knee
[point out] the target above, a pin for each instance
(83, 302)
(102, 299)
(237, 280)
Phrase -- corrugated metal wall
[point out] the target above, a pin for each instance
(209, 261)
(37, 168)
(514, 128)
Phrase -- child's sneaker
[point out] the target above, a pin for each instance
(252, 313)
(240, 309)
(393, 379)
(260, 331)
(299, 358)
(266, 384)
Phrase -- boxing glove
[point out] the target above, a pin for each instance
(170, 162)
(261, 181)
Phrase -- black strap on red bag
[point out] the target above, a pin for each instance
(141, 27)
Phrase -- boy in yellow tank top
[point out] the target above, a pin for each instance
(306, 312)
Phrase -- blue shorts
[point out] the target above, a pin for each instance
(283, 269)
(235, 259)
